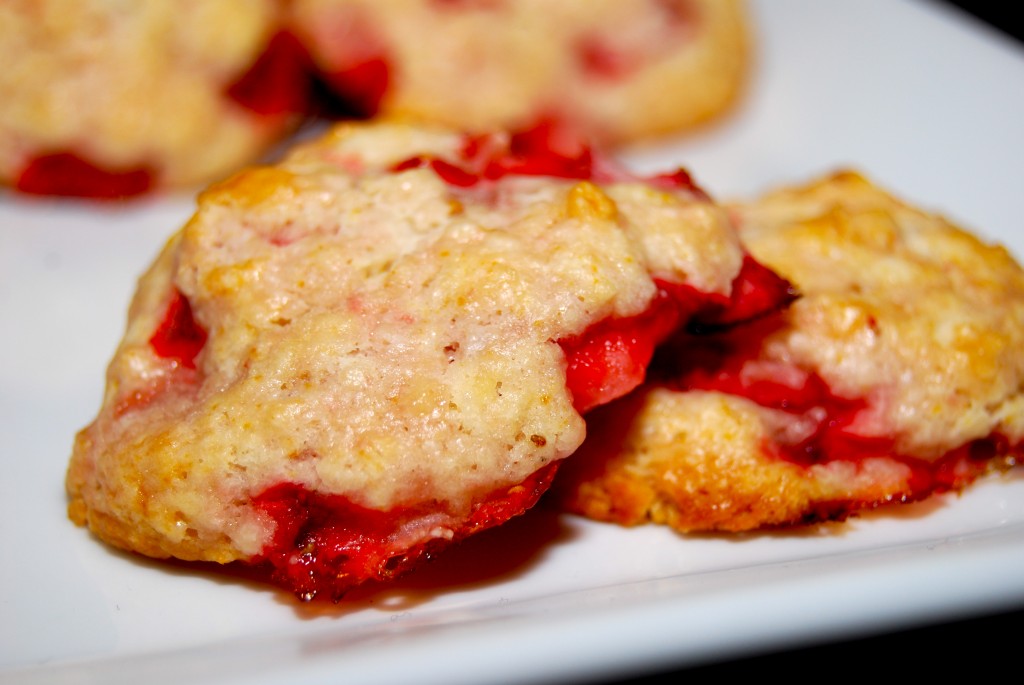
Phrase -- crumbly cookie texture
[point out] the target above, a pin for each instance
(137, 91)
(373, 325)
(896, 374)
(618, 71)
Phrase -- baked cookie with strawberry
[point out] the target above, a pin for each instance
(387, 342)
(895, 375)
(617, 71)
(107, 99)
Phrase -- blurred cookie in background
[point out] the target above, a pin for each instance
(107, 99)
(615, 70)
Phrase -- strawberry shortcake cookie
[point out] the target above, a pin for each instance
(112, 99)
(617, 70)
(386, 343)
(895, 375)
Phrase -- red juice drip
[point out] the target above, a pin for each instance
(326, 544)
(323, 543)
(960, 466)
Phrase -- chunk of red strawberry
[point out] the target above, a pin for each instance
(69, 174)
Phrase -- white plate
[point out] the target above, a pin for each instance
(922, 102)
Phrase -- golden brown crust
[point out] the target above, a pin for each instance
(702, 461)
(899, 309)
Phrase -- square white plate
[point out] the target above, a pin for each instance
(921, 101)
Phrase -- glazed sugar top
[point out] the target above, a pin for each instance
(380, 335)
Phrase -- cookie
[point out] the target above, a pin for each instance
(897, 374)
(346, 362)
(616, 71)
(106, 99)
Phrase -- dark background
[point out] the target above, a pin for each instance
(1002, 14)
(979, 645)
